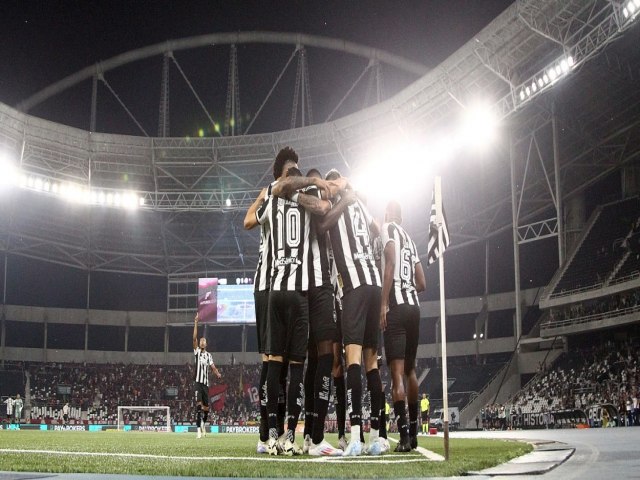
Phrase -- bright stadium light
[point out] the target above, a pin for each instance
(9, 174)
(228, 202)
(480, 124)
(547, 76)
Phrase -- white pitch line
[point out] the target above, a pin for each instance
(372, 460)
(428, 454)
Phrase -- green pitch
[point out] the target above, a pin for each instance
(229, 455)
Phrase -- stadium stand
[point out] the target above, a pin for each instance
(601, 249)
(466, 379)
(98, 389)
(598, 308)
(604, 373)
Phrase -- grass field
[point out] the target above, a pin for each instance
(229, 455)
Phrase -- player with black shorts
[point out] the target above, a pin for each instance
(351, 228)
(203, 361)
(402, 279)
(322, 333)
(285, 159)
(288, 318)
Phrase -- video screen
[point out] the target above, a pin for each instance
(236, 304)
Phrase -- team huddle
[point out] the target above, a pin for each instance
(328, 280)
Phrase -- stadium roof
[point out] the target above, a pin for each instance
(196, 190)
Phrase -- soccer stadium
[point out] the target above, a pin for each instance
(130, 192)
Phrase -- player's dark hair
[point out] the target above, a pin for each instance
(332, 174)
(294, 172)
(314, 172)
(287, 154)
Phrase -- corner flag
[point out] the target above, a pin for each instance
(433, 248)
(438, 242)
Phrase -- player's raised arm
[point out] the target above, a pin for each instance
(195, 332)
(289, 185)
(250, 220)
(332, 217)
(312, 203)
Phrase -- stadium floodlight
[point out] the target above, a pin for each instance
(142, 201)
(130, 201)
(9, 174)
(480, 124)
(547, 76)
(228, 202)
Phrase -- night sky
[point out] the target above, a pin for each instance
(43, 41)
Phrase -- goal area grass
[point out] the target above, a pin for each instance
(231, 455)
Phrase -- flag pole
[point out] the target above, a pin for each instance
(443, 329)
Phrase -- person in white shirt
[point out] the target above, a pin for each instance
(65, 413)
(9, 403)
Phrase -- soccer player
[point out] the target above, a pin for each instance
(403, 278)
(286, 158)
(65, 413)
(351, 228)
(204, 361)
(338, 368)
(288, 318)
(322, 333)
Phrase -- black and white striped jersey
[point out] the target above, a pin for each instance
(352, 248)
(403, 289)
(262, 278)
(203, 362)
(319, 264)
(289, 232)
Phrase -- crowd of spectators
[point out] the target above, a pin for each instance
(603, 374)
(98, 389)
(614, 304)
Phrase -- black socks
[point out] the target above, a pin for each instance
(322, 388)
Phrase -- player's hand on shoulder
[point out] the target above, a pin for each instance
(349, 196)
(339, 185)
